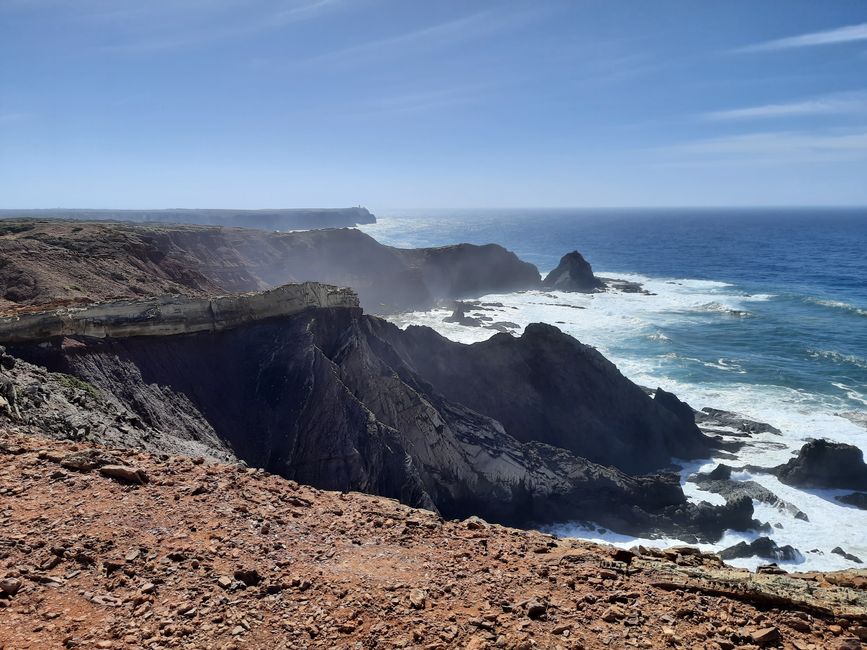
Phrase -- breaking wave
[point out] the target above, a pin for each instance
(837, 304)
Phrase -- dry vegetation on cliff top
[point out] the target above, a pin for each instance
(160, 551)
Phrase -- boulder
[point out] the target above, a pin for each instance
(824, 464)
(763, 547)
(573, 274)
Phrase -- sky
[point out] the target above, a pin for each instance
(415, 104)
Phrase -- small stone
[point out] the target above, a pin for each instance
(224, 581)
(124, 473)
(766, 636)
(10, 586)
(417, 598)
(536, 609)
(249, 577)
(238, 629)
(612, 614)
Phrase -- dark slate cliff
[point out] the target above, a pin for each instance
(546, 386)
(330, 397)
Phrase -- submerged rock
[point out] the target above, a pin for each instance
(573, 273)
(852, 558)
(857, 499)
(824, 464)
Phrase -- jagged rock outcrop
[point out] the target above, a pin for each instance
(573, 273)
(268, 219)
(55, 263)
(331, 398)
(824, 464)
(170, 315)
(546, 386)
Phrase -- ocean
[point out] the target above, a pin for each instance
(758, 311)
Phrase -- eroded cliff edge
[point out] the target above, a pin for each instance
(337, 399)
(48, 264)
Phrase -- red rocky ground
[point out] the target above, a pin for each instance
(103, 548)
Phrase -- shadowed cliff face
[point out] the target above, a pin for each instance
(546, 386)
(328, 397)
(49, 263)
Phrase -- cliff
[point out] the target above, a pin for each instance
(275, 219)
(209, 555)
(546, 386)
(336, 399)
(47, 264)
(171, 315)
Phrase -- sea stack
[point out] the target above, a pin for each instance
(574, 274)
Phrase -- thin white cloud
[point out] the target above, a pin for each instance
(773, 147)
(296, 12)
(846, 34)
(473, 26)
(835, 104)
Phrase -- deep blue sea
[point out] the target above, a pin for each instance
(759, 311)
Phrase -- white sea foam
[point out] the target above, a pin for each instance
(838, 304)
(612, 321)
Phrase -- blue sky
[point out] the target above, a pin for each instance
(281, 103)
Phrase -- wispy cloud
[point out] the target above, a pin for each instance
(774, 147)
(834, 104)
(846, 34)
(229, 28)
(473, 26)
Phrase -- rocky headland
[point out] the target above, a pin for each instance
(348, 401)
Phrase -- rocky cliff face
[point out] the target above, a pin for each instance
(546, 386)
(336, 399)
(51, 263)
(171, 315)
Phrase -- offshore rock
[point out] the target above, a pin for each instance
(573, 273)
(763, 547)
(824, 464)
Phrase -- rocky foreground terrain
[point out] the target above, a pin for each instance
(110, 548)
